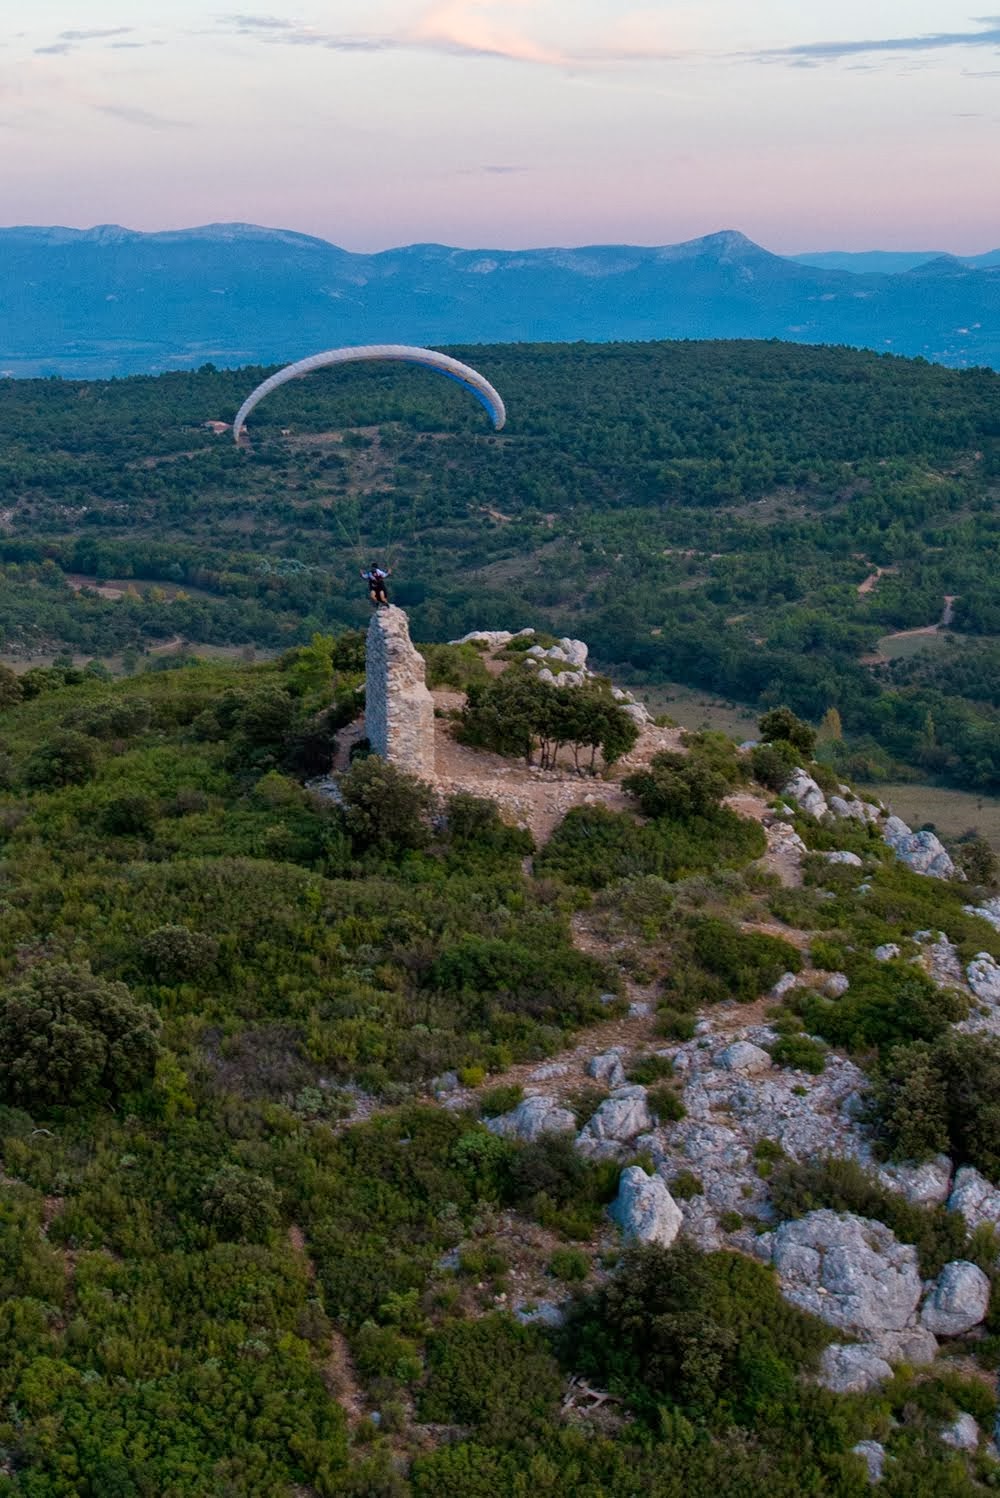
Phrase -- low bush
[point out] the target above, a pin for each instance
(493, 1374)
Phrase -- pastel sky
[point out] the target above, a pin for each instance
(808, 124)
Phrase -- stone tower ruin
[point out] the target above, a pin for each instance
(399, 710)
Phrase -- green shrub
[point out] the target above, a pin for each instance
(665, 1104)
(942, 1097)
(799, 1052)
(781, 723)
(686, 1185)
(699, 1332)
(730, 1222)
(498, 1100)
(648, 1069)
(70, 1037)
(237, 1203)
(66, 759)
(386, 811)
(492, 1373)
(772, 765)
(570, 1265)
(888, 1002)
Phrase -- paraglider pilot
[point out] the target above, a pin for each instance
(375, 577)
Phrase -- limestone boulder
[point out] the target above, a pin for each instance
(922, 851)
(959, 1300)
(962, 1434)
(926, 1185)
(533, 1118)
(607, 1068)
(743, 1056)
(872, 1453)
(886, 952)
(804, 791)
(644, 1209)
(850, 1271)
(845, 856)
(976, 1198)
(836, 985)
(983, 974)
(784, 985)
(852, 1369)
(621, 1117)
(574, 651)
(989, 911)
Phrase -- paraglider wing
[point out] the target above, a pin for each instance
(470, 378)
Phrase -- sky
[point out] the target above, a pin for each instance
(807, 124)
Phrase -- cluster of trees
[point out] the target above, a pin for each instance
(517, 714)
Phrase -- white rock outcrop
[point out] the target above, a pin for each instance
(872, 1453)
(850, 1271)
(743, 1056)
(923, 851)
(532, 1118)
(962, 1434)
(852, 1369)
(621, 1117)
(959, 1300)
(989, 911)
(804, 791)
(644, 1209)
(399, 710)
(983, 974)
(976, 1199)
(607, 1068)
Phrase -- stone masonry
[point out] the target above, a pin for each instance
(399, 710)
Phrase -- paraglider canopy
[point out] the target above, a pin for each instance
(401, 353)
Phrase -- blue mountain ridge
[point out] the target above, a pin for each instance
(113, 301)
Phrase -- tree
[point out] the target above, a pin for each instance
(67, 759)
(70, 1037)
(240, 1204)
(677, 785)
(782, 724)
(10, 687)
(385, 810)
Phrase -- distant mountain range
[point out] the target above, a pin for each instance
(890, 262)
(110, 301)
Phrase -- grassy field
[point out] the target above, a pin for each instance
(693, 709)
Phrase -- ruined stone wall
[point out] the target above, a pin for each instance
(399, 710)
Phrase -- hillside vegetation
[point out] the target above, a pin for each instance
(747, 518)
(256, 1240)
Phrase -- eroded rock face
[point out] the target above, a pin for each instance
(852, 1369)
(989, 911)
(924, 852)
(644, 1209)
(607, 1068)
(804, 791)
(619, 1118)
(926, 1185)
(962, 1434)
(744, 1056)
(976, 1199)
(850, 1271)
(399, 710)
(532, 1118)
(872, 1453)
(983, 974)
(959, 1300)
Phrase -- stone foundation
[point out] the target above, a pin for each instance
(399, 710)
